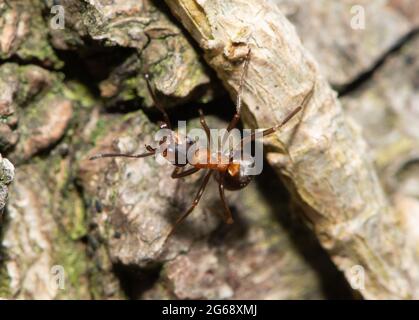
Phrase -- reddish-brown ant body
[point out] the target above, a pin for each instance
(229, 173)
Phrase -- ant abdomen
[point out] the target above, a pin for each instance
(235, 182)
(237, 175)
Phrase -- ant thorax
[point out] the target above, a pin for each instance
(204, 158)
(180, 150)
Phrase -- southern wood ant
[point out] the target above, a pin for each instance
(228, 174)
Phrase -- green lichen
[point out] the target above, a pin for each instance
(99, 131)
(130, 89)
(72, 256)
(5, 291)
(4, 283)
(76, 225)
(4, 275)
(78, 92)
(67, 210)
(34, 44)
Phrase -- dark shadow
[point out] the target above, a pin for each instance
(135, 281)
(92, 63)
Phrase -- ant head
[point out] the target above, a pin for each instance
(168, 135)
(176, 149)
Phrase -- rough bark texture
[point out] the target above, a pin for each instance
(45, 222)
(37, 109)
(260, 257)
(6, 177)
(138, 199)
(99, 219)
(134, 203)
(24, 33)
(68, 93)
(343, 53)
(156, 45)
(328, 169)
(387, 108)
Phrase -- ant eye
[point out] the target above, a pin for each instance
(176, 155)
(189, 141)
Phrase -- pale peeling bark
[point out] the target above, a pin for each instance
(345, 52)
(327, 168)
(7, 172)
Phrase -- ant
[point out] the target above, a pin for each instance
(230, 174)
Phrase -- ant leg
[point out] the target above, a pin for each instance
(286, 119)
(228, 215)
(150, 148)
(194, 203)
(114, 155)
(236, 116)
(176, 174)
(207, 131)
(157, 104)
(269, 131)
(278, 126)
(205, 125)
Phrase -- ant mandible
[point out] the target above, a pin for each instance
(229, 174)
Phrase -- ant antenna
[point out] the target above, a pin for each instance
(115, 155)
(157, 104)
(241, 83)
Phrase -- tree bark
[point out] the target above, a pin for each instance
(105, 222)
(99, 220)
(6, 177)
(326, 167)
